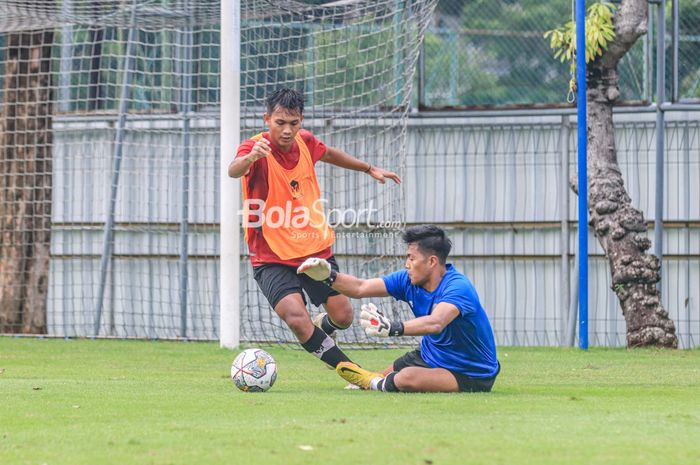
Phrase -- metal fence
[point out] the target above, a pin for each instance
(476, 53)
(497, 183)
(492, 53)
(501, 184)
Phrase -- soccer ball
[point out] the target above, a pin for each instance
(254, 370)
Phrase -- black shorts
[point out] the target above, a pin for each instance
(276, 281)
(465, 383)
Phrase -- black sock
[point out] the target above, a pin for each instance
(386, 384)
(323, 347)
(328, 326)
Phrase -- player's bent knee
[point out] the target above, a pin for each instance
(339, 310)
(343, 321)
(414, 379)
(407, 380)
(295, 317)
(300, 325)
(293, 312)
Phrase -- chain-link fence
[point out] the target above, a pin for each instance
(493, 53)
(687, 16)
(476, 53)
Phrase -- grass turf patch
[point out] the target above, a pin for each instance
(109, 401)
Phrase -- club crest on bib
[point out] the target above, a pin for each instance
(296, 189)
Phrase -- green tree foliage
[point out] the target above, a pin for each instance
(156, 70)
(462, 78)
(600, 31)
(351, 67)
(496, 55)
(480, 52)
(509, 32)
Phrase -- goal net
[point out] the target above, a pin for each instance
(109, 143)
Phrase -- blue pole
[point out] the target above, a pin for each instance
(582, 174)
(660, 133)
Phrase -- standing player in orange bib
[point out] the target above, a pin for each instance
(285, 224)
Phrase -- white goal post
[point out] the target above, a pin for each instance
(229, 239)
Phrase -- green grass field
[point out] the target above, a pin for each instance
(138, 402)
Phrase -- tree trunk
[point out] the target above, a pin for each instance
(619, 227)
(25, 183)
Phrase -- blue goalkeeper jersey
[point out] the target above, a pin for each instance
(466, 345)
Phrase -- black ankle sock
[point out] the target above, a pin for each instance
(323, 347)
(328, 326)
(387, 383)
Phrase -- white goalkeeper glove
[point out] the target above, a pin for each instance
(376, 324)
(318, 269)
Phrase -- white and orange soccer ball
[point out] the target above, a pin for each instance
(254, 370)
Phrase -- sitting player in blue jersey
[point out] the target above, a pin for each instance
(457, 351)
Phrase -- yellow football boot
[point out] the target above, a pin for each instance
(353, 373)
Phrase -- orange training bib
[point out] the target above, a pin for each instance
(293, 220)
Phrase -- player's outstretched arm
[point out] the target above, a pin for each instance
(376, 323)
(337, 157)
(351, 286)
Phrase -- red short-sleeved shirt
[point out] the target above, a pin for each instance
(260, 252)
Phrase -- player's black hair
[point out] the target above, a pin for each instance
(430, 240)
(290, 99)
